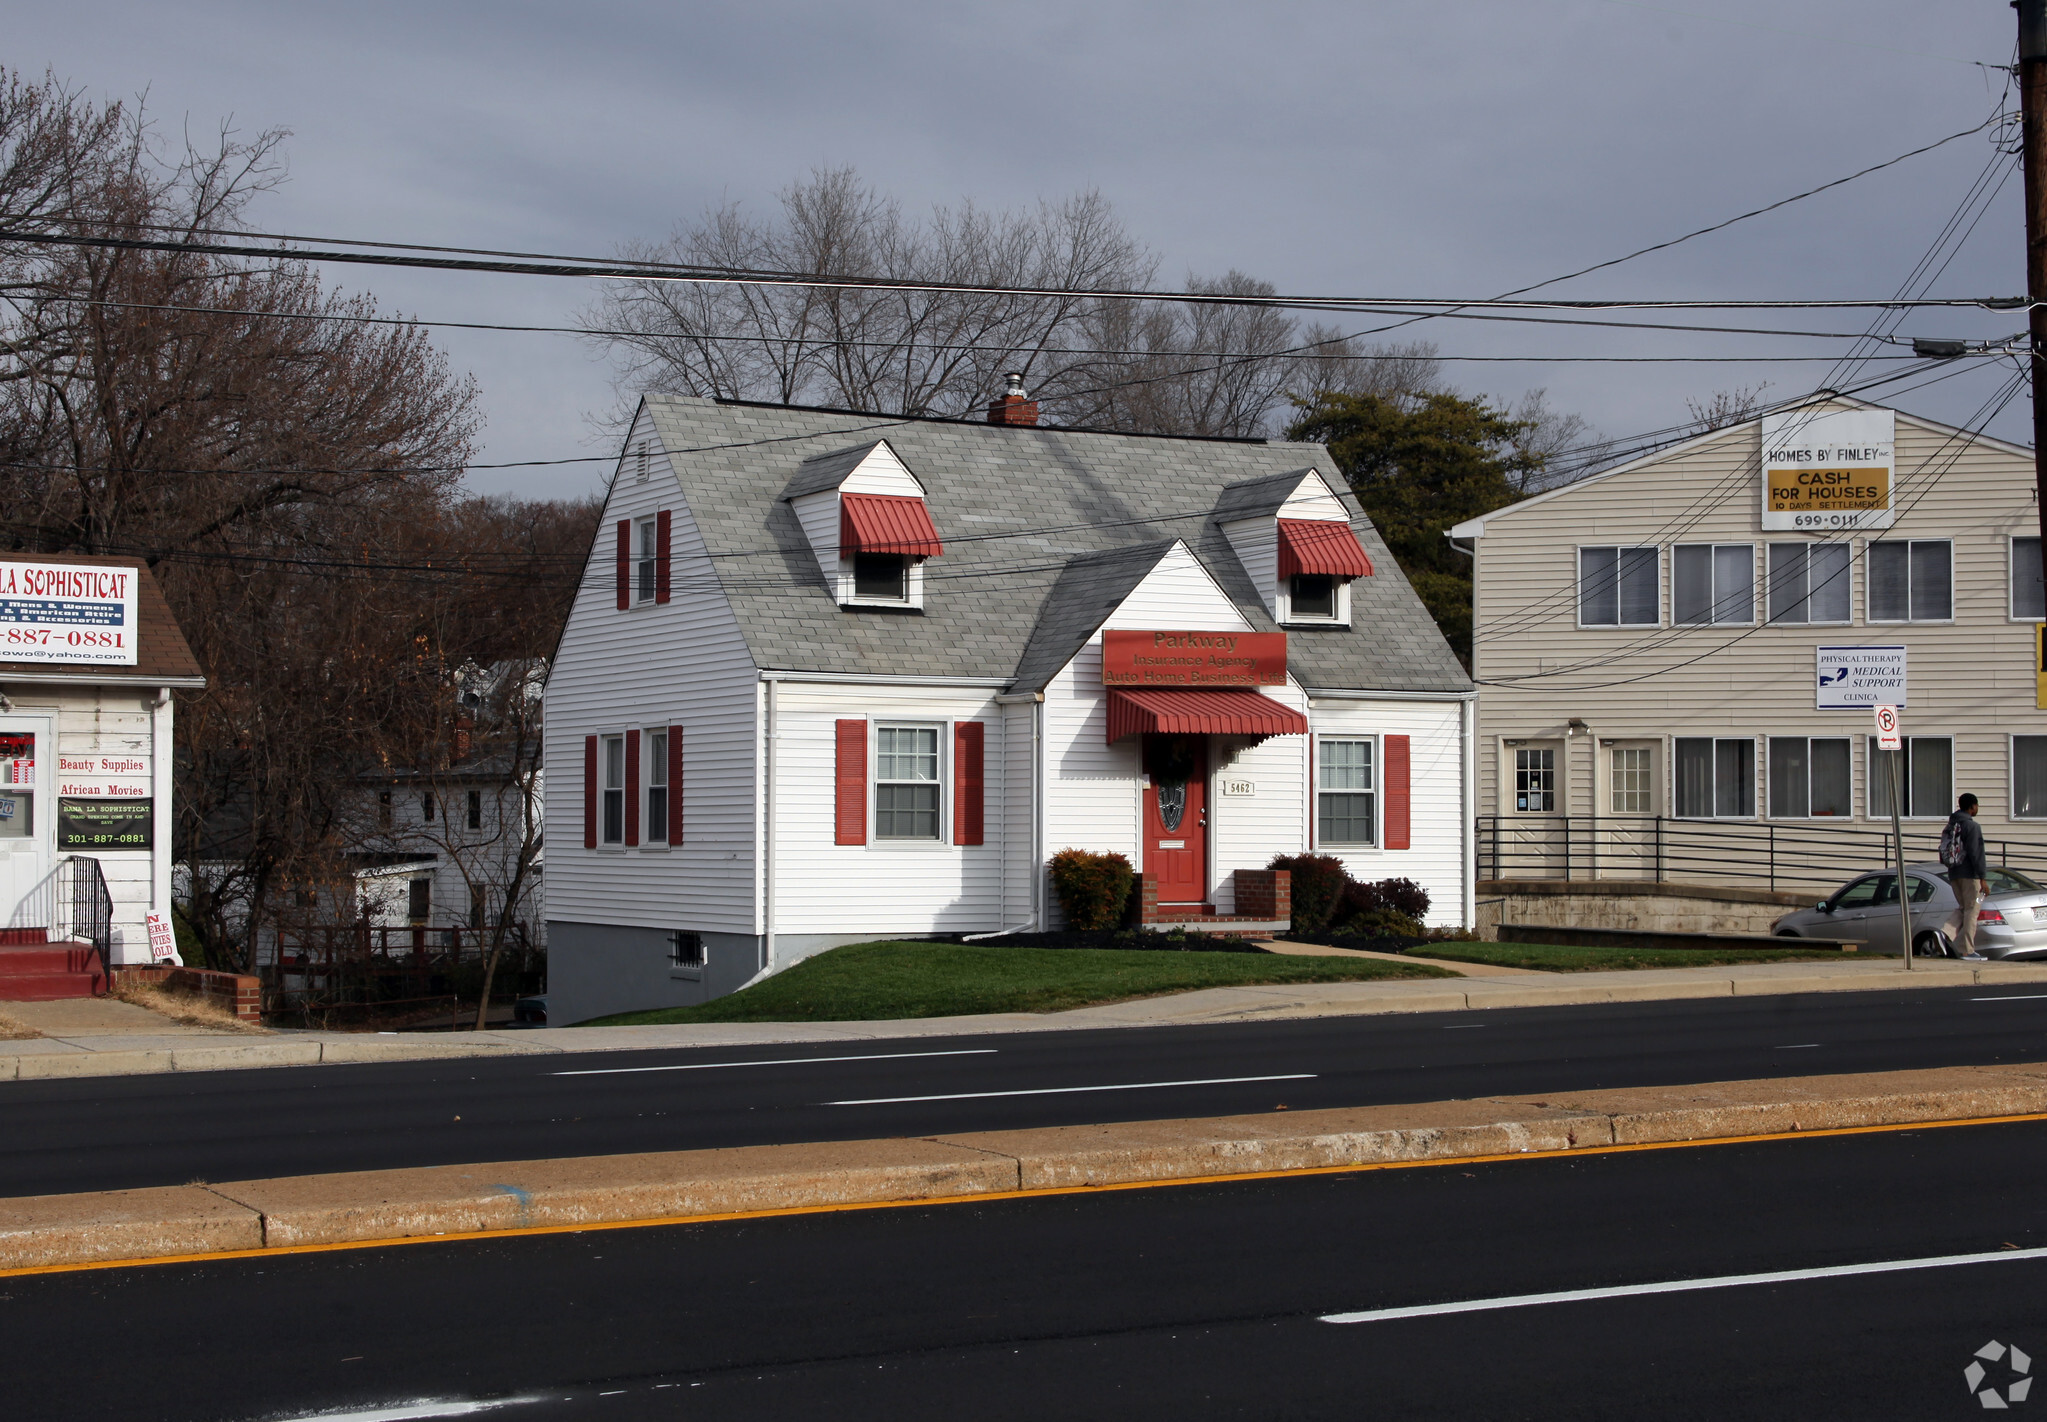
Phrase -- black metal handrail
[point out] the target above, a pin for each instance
(1762, 854)
(82, 888)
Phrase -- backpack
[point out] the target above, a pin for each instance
(1951, 845)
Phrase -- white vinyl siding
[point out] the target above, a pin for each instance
(1810, 582)
(1618, 587)
(1712, 583)
(1911, 581)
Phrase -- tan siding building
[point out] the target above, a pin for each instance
(1653, 664)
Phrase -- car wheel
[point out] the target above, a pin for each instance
(1930, 944)
(1786, 933)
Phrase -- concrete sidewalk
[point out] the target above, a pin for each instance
(174, 1048)
(388, 1206)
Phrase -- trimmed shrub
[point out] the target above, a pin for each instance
(1092, 888)
(1382, 923)
(1318, 887)
(1401, 896)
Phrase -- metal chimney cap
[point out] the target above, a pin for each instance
(1016, 385)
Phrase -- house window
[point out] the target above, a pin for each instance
(685, 950)
(1929, 778)
(383, 809)
(1809, 778)
(1632, 787)
(657, 787)
(1617, 587)
(1716, 778)
(419, 900)
(1809, 582)
(644, 582)
(426, 807)
(1346, 802)
(1535, 780)
(1912, 581)
(2029, 777)
(881, 577)
(476, 809)
(1311, 595)
(1712, 582)
(2028, 593)
(613, 782)
(906, 782)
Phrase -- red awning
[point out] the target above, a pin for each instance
(886, 523)
(1316, 546)
(1210, 713)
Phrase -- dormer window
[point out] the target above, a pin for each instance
(1312, 596)
(881, 577)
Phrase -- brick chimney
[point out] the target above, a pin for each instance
(1016, 407)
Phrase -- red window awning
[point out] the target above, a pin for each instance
(1315, 546)
(1201, 713)
(886, 523)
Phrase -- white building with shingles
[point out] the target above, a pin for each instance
(1656, 667)
(831, 677)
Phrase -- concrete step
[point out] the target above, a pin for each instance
(49, 972)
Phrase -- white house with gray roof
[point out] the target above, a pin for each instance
(833, 677)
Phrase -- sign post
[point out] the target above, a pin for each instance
(1892, 744)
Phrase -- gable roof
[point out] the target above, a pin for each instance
(1256, 498)
(1475, 527)
(827, 471)
(1039, 524)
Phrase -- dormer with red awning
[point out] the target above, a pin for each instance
(865, 516)
(1294, 537)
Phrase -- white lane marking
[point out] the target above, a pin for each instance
(1061, 1090)
(399, 1411)
(2013, 997)
(780, 1061)
(1466, 1027)
(1796, 1046)
(1680, 1286)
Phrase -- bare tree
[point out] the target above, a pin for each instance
(1727, 407)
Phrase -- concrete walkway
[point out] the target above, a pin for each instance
(169, 1047)
(1463, 970)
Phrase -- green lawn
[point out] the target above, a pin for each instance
(875, 981)
(1557, 958)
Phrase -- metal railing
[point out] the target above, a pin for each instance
(84, 907)
(1804, 854)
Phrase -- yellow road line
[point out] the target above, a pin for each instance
(520, 1232)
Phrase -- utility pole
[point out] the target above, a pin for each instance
(2033, 159)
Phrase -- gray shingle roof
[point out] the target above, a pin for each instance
(1255, 498)
(1015, 506)
(826, 471)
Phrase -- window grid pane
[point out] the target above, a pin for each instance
(1691, 584)
(1827, 583)
(1889, 580)
(1640, 596)
(1932, 581)
(1617, 587)
(1346, 809)
(1734, 580)
(1790, 777)
(1830, 778)
(1535, 781)
(1789, 566)
(2029, 777)
(1632, 790)
(1929, 776)
(906, 782)
(2028, 593)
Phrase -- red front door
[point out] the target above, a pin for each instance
(1176, 817)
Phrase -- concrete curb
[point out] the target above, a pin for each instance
(56, 1058)
(57, 1231)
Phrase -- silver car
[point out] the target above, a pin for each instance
(2011, 920)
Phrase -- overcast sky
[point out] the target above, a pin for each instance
(1404, 147)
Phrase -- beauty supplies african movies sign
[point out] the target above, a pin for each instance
(1828, 471)
(58, 612)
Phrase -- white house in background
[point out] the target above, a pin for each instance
(833, 676)
(89, 657)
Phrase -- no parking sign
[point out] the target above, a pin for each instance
(1887, 737)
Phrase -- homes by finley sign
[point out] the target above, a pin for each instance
(52, 612)
(1203, 659)
(1851, 678)
(1828, 471)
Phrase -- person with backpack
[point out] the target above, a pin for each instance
(1961, 853)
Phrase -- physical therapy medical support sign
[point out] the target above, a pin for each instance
(59, 612)
(1828, 471)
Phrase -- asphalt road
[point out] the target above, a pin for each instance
(1194, 1301)
(119, 1132)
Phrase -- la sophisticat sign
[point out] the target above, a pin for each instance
(1193, 659)
(64, 612)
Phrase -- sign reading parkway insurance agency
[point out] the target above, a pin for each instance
(1853, 677)
(1193, 659)
(52, 612)
(1828, 471)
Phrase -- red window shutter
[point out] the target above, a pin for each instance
(1397, 799)
(625, 563)
(589, 792)
(632, 787)
(675, 785)
(969, 783)
(850, 784)
(661, 584)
